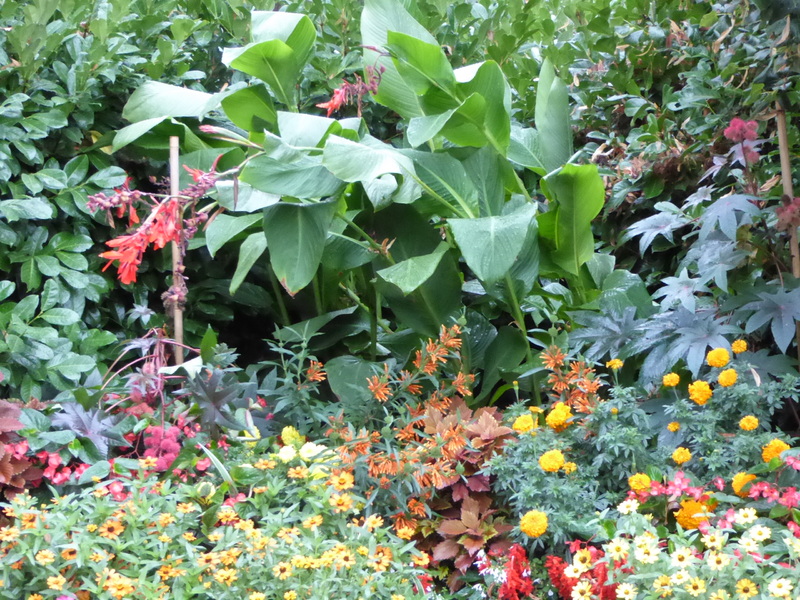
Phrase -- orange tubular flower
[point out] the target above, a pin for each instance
(315, 371)
(130, 249)
(379, 388)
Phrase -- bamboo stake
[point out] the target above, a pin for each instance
(177, 274)
(786, 179)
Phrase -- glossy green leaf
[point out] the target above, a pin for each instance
(420, 64)
(490, 245)
(273, 62)
(225, 227)
(250, 251)
(250, 108)
(577, 194)
(154, 99)
(296, 236)
(552, 118)
(246, 199)
(411, 273)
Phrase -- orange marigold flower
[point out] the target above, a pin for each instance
(739, 346)
(691, 514)
(727, 377)
(533, 523)
(551, 461)
(681, 455)
(718, 357)
(671, 380)
(674, 426)
(699, 392)
(748, 423)
(773, 449)
(379, 388)
(739, 481)
(639, 482)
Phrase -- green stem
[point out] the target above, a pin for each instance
(519, 317)
(278, 292)
(367, 238)
(317, 294)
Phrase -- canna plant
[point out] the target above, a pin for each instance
(457, 221)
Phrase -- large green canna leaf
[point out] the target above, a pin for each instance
(421, 64)
(378, 18)
(224, 228)
(387, 174)
(250, 108)
(154, 99)
(303, 177)
(280, 49)
(576, 193)
(251, 250)
(552, 119)
(411, 273)
(491, 245)
(296, 235)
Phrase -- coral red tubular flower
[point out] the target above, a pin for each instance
(129, 254)
(335, 103)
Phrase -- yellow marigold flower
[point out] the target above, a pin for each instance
(290, 595)
(639, 482)
(773, 449)
(746, 589)
(727, 377)
(671, 380)
(739, 346)
(557, 419)
(699, 392)
(748, 423)
(523, 424)
(257, 596)
(45, 557)
(691, 514)
(718, 357)
(674, 426)
(551, 461)
(290, 436)
(681, 455)
(739, 481)
(533, 523)
(569, 467)
(614, 364)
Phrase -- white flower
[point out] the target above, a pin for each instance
(575, 571)
(647, 554)
(748, 544)
(680, 577)
(681, 557)
(309, 450)
(713, 540)
(780, 588)
(631, 505)
(759, 533)
(793, 543)
(582, 590)
(626, 591)
(287, 453)
(617, 549)
(745, 516)
(717, 561)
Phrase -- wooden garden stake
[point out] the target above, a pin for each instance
(177, 268)
(788, 190)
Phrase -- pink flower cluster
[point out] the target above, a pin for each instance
(740, 130)
(162, 443)
(52, 461)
